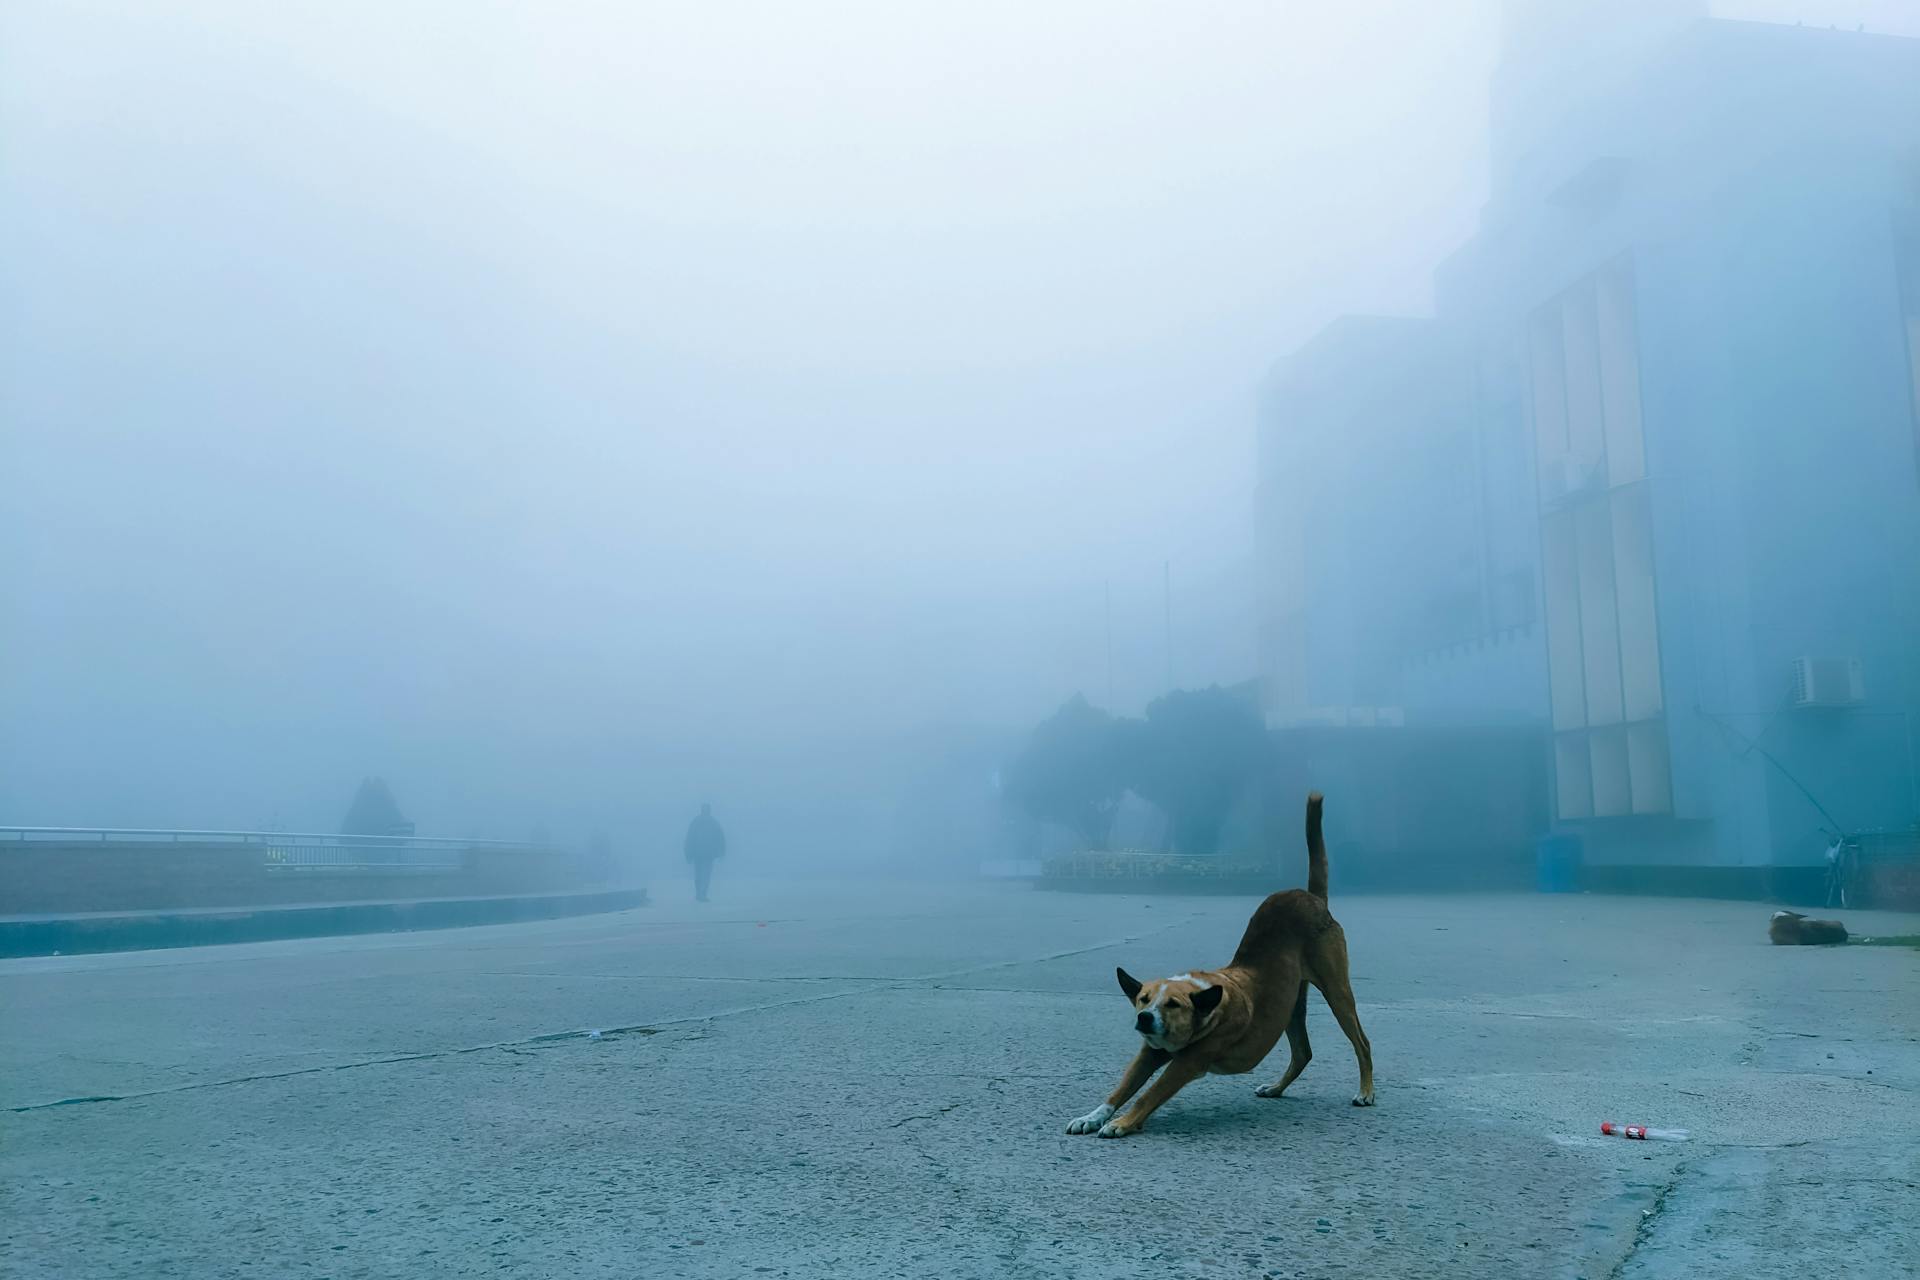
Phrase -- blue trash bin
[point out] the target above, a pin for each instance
(1557, 864)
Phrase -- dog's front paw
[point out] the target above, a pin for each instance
(1363, 1099)
(1270, 1091)
(1091, 1122)
(1115, 1129)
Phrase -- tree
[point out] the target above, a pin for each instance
(374, 813)
(1194, 755)
(1069, 771)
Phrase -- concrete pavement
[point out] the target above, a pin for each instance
(825, 1081)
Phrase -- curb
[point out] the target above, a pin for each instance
(1251, 887)
(151, 930)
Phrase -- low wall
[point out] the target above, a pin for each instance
(146, 930)
(55, 877)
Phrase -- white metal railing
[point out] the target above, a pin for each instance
(387, 859)
(164, 835)
(289, 851)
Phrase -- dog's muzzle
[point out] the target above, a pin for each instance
(1144, 1023)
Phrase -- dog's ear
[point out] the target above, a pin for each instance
(1206, 1000)
(1128, 983)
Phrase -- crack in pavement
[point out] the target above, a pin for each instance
(931, 1115)
(385, 1060)
(867, 987)
(968, 972)
(687, 977)
(1649, 1217)
(939, 1166)
(1022, 991)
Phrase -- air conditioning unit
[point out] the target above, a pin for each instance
(1827, 682)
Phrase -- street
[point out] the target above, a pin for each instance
(831, 1080)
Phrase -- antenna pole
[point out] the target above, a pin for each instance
(1166, 587)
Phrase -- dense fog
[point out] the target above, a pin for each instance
(572, 413)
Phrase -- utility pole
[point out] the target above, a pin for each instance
(1166, 586)
(1107, 588)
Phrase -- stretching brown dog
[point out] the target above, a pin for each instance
(1224, 1021)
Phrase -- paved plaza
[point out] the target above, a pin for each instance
(831, 1080)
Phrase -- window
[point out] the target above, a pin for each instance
(1619, 377)
(1634, 607)
(1597, 561)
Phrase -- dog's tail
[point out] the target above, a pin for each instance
(1316, 850)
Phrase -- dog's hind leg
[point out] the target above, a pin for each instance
(1144, 1064)
(1297, 1044)
(1330, 975)
(1340, 1000)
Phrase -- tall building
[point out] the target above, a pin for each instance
(1650, 476)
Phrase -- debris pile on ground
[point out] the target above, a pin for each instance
(1791, 929)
